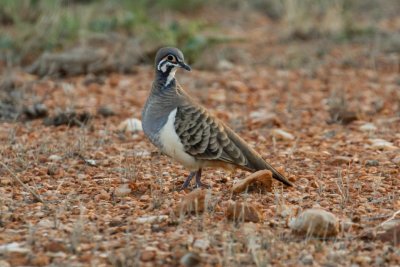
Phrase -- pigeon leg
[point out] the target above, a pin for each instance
(187, 181)
(199, 183)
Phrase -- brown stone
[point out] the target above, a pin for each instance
(40, 259)
(315, 222)
(147, 255)
(258, 181)
(238, 211)
(192, 202)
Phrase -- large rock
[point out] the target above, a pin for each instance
(315, 222)
(258, 181)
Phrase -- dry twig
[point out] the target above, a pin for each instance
(34, 194)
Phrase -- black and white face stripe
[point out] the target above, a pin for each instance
(164, 64)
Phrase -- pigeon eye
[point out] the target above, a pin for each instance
(171, 58)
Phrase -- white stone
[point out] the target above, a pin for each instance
(13, 247)
(224, 64)
(201, 244)
(55, 158)
(281, 134)
(382, 144)
(45, 223)
(307, 259)
(151, 219)
(122, 190)
(130, 125)
(368, 127)
(91, 162)
(396, 160)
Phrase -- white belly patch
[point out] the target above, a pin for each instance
(172, 145)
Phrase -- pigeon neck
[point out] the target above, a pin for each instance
(166, 79)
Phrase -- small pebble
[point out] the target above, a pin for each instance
(190, 259)
(371, 162)
(105, 111)
(368, 127)
(396, 160)
(281, 134)
(122, 190)
(148, 255)
(130, 125)
(307, 259)
(55, 158)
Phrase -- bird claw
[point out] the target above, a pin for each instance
(202, 185)
(199, 184)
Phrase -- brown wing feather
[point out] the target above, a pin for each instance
(204, 137)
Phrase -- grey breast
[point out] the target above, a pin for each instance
(156, 111)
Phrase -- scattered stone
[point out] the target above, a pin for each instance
(224, 64)
(55, 158)
(13, 247)
(264, 119)
(192, 202)
(5, 181)
(382, 144)
(122, 190)
(237, 86)
(339, 111)
(52, 169)
(103, 195)
(368, 127)
(151, 219)
(147, 255)
(191, 259)
(363, 260)
(282, 135)
(93, 79)
(258, 181)
(40, 259)
(396, 160)
(55, 246)
(307, 259)
(337, 255)
(390, 233)
(35, 111)
(315, 222)
(130, 125)
(46, 223)
(18, 259)
(242, 212)
(105, 111)
(68, 118)
(90, 162)
(338, 160)
(201, 244)
(371, 162)
(330, 134)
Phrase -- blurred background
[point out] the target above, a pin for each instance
(212, 34)
(312, 85)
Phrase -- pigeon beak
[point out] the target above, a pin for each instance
(185, 66)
